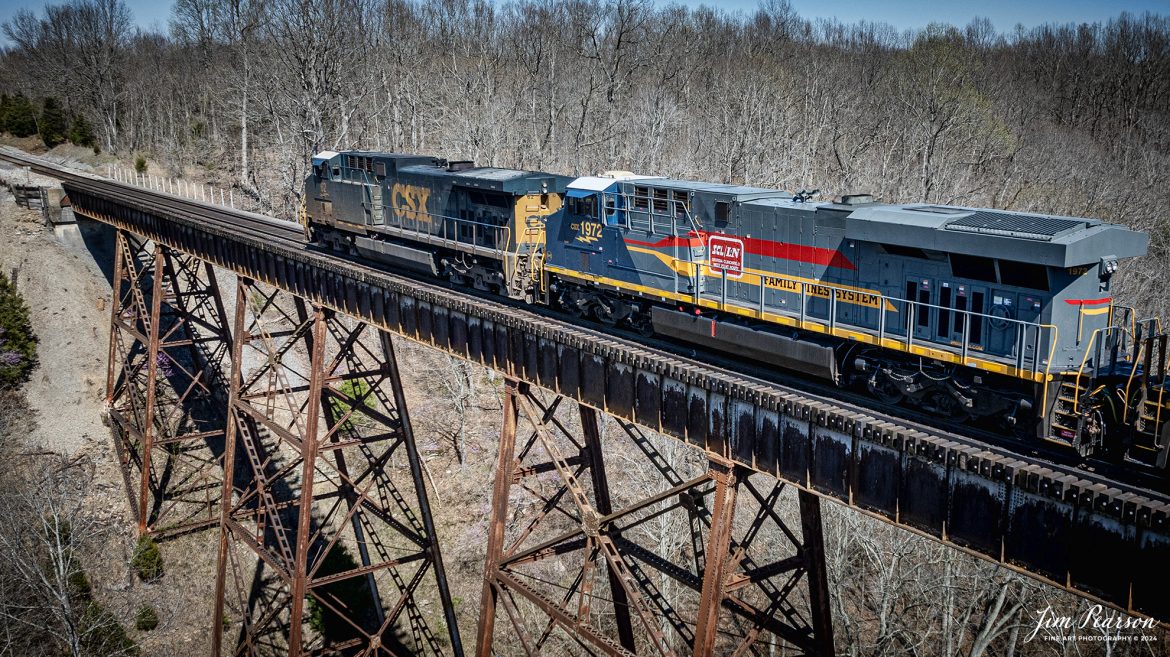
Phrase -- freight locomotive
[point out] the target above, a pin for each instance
(972, 315)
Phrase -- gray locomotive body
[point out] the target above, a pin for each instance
(965, 313)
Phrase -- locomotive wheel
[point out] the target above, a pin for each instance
(573, 305)
(882, 387)
(948, 406)
(643, 326)
(604, 314)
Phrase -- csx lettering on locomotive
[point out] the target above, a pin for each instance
(410, 202)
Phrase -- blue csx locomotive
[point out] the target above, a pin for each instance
(969, 314)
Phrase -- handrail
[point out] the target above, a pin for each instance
(650, 212)
(506, 254)
(831, 323)
(1048, 368)
(914, 307)
(1137, 357)
(538, 270)
(1084, 361)
(397, 209)
(1130, 314)
(1160, 406)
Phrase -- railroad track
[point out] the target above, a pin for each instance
(245, 222)
(1120, 477)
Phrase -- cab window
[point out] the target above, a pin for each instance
(722, 214)
(611, 215)
(583, 206)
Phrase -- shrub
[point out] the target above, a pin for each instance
(140, 164)
(358, 390)
(54, 124)
(18, 344)
(102, 634)
(146, 619)
(147, 561)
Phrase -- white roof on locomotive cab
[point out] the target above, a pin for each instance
(602, 183)
(324, 156)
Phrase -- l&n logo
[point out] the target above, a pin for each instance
(726, 255)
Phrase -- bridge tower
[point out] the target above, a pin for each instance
(166, 385)
(284, 424)
(318, 447)
(699, 560)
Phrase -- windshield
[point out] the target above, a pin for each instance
(585, 206)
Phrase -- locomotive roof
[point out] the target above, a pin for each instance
(737, 193)
(601, 183)
(1051, 240)
(511, 181)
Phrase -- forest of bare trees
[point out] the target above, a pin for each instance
(1058, 118)
(1071, 119)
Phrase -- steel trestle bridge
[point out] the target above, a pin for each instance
(253, 390)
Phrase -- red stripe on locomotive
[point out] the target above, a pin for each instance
(1088, 302)
(798, 252)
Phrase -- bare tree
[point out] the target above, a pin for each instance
(83, 45)
(45, 529)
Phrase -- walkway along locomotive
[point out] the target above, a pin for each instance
(973, 315)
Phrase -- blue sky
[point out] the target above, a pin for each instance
(1004, 14)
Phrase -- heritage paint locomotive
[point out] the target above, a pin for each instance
(969, 314)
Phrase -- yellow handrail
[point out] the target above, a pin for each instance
(538, 270)
(1084, 361)
(1161, 406)
(1048, 365)
(507, 230)
(1137, 358)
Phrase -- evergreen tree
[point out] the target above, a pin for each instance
(81, 133)
(5, 108)
(18, 344)
(54, 124)
(20, 118)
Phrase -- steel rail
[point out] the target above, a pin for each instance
(256, 224)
